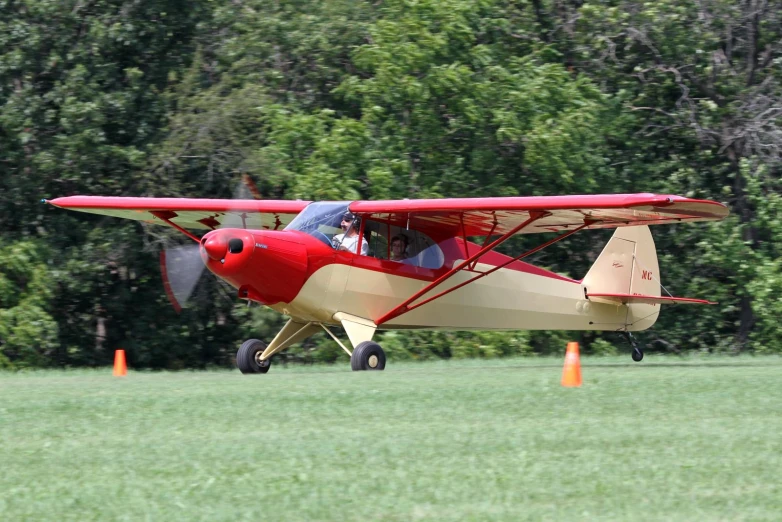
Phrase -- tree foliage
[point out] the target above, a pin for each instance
(348, 99)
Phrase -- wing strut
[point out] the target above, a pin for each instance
(165, 216)
(406, 307)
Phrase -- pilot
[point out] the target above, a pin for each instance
(399, 247)
(348, 240)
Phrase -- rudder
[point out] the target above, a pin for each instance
(628, 265)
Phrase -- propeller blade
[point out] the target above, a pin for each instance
(181, 268)
(250, 186)
(245, 189)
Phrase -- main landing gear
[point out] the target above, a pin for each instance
(638, 354)
(248, 358)
(366, 356)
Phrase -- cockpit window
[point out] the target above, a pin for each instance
(402, 244)
(320, 220)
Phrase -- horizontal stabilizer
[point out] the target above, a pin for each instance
(645, 299)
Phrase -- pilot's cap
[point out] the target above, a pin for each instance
(349, 216)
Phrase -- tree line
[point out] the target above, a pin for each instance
(348, 99)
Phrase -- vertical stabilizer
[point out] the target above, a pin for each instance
(628, 265)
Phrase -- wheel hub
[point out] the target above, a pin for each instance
(258, 359)
(372, 361)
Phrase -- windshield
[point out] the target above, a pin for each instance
(320, 220)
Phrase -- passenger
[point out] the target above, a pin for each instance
(399, 247)
(348, 240)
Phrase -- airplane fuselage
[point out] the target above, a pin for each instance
(301, 277)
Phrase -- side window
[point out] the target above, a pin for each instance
(378, 244)
(424, 251)
(402, 245)
(376, 237)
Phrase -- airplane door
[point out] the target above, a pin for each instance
(339, 279)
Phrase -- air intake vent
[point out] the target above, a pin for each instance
(235, 246)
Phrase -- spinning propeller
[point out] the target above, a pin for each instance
(182, 266)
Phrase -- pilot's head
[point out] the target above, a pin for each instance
(349, 221)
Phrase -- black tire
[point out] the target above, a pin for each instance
(246, 357)
(368, 356)
(637, 354)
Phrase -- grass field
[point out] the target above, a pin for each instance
(666, 439)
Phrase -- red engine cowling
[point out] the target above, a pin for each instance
(266, 266)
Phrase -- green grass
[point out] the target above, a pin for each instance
(666, 439)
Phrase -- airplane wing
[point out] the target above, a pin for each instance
(495, 216)
(206, 214)
(461, 216)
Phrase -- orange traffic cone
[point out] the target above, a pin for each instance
(120, 368)
(571, 373)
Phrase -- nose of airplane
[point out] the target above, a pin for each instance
(227, 250)
(216, 246)
(264, 265)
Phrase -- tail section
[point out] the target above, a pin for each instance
(627, 266)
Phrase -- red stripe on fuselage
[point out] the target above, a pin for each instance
(494, 258)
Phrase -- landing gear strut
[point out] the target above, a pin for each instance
(638, 354)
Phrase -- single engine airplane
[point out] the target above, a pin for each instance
(408, 264)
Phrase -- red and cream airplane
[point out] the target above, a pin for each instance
(368, 265)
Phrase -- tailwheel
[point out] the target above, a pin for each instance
(368, 356)
(638, 354)
(248, 358)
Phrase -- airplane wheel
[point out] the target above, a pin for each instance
(368, 356)
(637, 354)
(248, 357)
